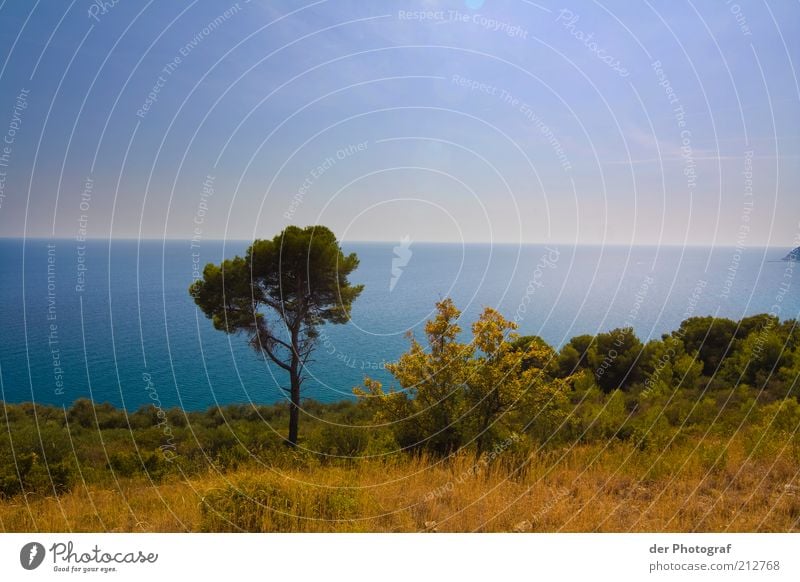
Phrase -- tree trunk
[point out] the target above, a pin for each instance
(481, 440)
(294, 375)
(294, 406)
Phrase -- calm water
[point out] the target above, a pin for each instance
(135, 320)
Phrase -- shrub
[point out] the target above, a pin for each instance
(267, 504)
(338, 441)
(31, 475)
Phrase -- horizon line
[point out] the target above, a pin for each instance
(429, 242)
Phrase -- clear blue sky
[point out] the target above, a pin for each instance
(496, 120)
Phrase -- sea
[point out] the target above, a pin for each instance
(112, 320)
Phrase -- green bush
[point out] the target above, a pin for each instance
(31, 475)
(144, 463)
(338, 441)
(266, 504)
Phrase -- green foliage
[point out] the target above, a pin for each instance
(602, 417)
(129, 464)
(338, 440)
(613, 358)
(760, 354)
(39, 461)
(596, 388)
(574, 355)
(271, 504)
(709, 337)
(665, 366)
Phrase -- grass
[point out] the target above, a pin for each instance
(720, 485)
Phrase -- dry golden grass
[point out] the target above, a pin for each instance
(583, 489)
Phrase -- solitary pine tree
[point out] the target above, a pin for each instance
(278, 295)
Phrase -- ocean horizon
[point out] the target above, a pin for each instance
(112, 319)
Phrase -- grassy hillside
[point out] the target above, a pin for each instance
(230, 472)
(717, 486)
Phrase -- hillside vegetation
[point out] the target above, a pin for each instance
(696, 431)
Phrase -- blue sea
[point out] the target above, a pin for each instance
(113, 320)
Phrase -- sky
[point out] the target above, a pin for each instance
(654, 122)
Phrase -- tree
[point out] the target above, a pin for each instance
(710, 337)
(456, 393)
(537, 353)
(426, 413)
(278, 295)
(756, 358)
(759, 322)
(509, 378)
(574, 355)
(614, 358)
(666, 366)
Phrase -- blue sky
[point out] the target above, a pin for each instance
(507, 121)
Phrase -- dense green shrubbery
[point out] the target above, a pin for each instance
(712, 376)
(140, 444)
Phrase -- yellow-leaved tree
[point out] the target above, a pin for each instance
(456, 394)
(510, 389)
(428, 412)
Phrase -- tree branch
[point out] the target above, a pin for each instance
(264, 340)
(274, 358)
